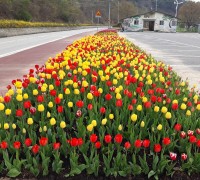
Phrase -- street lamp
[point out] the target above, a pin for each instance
(177, 3)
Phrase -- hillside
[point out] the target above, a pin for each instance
(78, 11)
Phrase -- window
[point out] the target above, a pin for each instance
(174, 23)
(161, 23)
(136, 22)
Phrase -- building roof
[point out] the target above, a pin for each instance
(148, 13)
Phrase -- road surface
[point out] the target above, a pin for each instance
(180, 50)
(20, 53)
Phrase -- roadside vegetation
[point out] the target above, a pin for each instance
(25, 24)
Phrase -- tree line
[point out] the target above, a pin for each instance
(83, 11)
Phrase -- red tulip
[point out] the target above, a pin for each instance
(89, 106)
(43, 141)
(146, 143)
(138, 143)
(53, 92)
(56, 146)
(175, 106)
(157, 148)
(80, 141)
(60, 109)
(190, 133)
(172, 156)
(108, 97)
(57, 83)
(7, 99)
(192, 139)
(198, 143)
(97, 145)
(166, 141)
(27, 104)
(93, 138)
(74, 142)
(40, 98)
(32, 110)
(119, 103)
(198, 131)
(127, 145)
(4, 145)
(79, 104)
(78, 113)
(118, 138)
(147, 104)
(182, 134)
(57, 100)
(28, 142)
(35, 149)
(19, 113)
(183, 156)
(177, 127)
(17, 145)
(134, 101)
(107, 138)
(102, 110)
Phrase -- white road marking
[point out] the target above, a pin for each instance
(39, 44)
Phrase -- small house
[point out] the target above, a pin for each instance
(150, 21)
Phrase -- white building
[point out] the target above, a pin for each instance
(150, 21)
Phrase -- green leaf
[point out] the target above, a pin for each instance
(151, 173)
(81, 167)
(155, 162)
(122, 173)
(144, 165)
(13, 173)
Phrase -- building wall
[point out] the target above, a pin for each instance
(130, 25)
(168, 23)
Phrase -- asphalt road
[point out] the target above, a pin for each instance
(20, 53)
(15, 44)
(180, 50)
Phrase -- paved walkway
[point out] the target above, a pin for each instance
(16, 65)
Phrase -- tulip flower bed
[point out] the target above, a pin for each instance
(102, 107)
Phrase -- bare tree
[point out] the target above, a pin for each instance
(189, 13)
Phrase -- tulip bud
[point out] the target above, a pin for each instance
(183, 156)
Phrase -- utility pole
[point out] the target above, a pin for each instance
(109, 13)
(156, 5)
(118, 11)
(92, 18)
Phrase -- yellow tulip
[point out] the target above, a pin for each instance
(134, 117)
(50, 104)
(90, 127)
(94, 123)
(6, 126)
(62, 124)
(104, 121)
(139, 107)
(29, 121)
(8, 112)
(159, 127)
(52, 121)
(168, 115)
(2, 107)
(142, 124)
(90, 96)
(40, 107)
